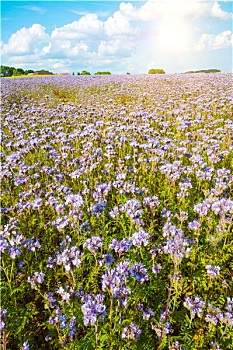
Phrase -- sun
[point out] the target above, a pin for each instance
(173, 34)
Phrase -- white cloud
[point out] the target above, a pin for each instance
(79, 13)
(47, 48)
(25, 40)
(84, 27)
(115, 47)
(37, 9)
(191, 9)
(118, 24)
(216, 11)
(133, 36)
(209, 42)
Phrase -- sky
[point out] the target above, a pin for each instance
(117, 36)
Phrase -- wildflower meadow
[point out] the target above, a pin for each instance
(116, 215)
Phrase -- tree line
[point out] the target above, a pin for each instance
(6, 71)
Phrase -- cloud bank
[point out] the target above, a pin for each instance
(132, 38)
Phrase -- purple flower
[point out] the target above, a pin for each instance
(177, 245)
(3, 315)
(194, 305)
(156, 268)
(75, 200)
(140, 238)
(70, 258)
(107, 260)
(212, 270)
(72, 326)
(98, 208)
(151, 202)
(25, 346)
(94, 243)
(51, 299)
(38, 277)
(111, 279)
(92, 308)
(139, 272)
(132, 208)
(194, 225)
(4, 245)
(121, 246)
(114, 212)
(14, 252)
(131, 332)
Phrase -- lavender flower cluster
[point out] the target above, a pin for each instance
(135, 171)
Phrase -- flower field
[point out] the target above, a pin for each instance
(117, 209)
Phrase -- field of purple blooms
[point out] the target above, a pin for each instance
(117, 210)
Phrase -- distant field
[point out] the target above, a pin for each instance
(117, 212)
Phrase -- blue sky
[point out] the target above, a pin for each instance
(118, 36)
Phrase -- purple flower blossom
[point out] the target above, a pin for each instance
(194, 305)
(111, 280)
(194, 225)
(3, 315)
(146, 312)
(107, 260)
(212, 270)
(98, 208)
(162, 328)
(139, 272)
(121, 246)
(177, 245)
(140, 238)
(69, 258)
(131, 332)
(14, 252)
(156, 268)
(94, 243)
(92, 308)
(25, 346)
(132, 208)
(75, 200)
(151, 202)
(38, 277)
(52, 300)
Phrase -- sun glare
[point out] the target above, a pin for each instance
(173, 35)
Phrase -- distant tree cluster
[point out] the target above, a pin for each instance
(84, 72)
(12, 71)
(204, 71)
(102, 73)
(156, 71)
(15, 72)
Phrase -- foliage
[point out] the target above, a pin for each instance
(6, 71)
(103, 73)
(117, 213)
(205, 71)
(18, 71)
(84, 72)
(12, 71)
(156, 71)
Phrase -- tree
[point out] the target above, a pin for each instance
(6, 71)
(205, 71)
(156, 71)
(28, 71)
(85, 72)
(102, 73)
(18, 71)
